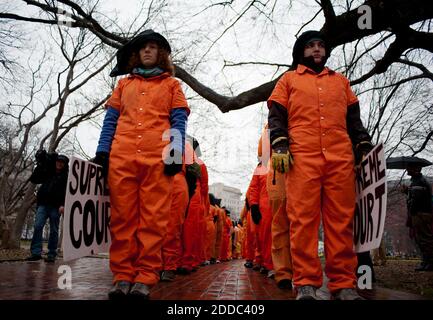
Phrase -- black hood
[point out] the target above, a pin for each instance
(124, 53)
(298, 48)
(63, 158)
(195, 145)
(212, 199)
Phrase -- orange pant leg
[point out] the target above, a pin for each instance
(250, 239)
(265, 237)
(140, 196)
(155, 202)
(210, 238)
(281, 256)
(338, 209)
(303, 208)
(172, 247)
(190, 235)
(218, 239)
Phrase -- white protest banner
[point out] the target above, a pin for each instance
(371, 195)
(87, 211)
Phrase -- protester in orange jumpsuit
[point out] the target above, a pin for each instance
(219, 226)
(144, 106)
(253, 254)
(192, 233)
(243, 219)
(210, 229)
(172, 247)
(262, 216)
(314, 120)
(225, 244)
(204, 214)
(280, 228)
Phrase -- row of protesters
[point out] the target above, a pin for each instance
(267, 225)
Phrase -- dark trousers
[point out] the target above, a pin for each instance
(42, 214)
(422, 224)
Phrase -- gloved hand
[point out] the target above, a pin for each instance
(175, 167)
(194, 169)
(102, 158)
(281, 157)
(361, 150)
(172, 169)
(255, 213)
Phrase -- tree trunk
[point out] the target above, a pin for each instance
(14, 236)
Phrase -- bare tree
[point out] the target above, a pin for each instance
(386, 63)
(81, 53)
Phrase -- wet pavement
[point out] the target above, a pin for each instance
(91, 280)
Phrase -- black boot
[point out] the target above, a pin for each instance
(140, 291)
(120, 290)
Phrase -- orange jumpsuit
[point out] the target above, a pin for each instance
(219, 232)
(140, 192)
(191, 235)
(321, 181)
(224, 253)
(172, 246)
(212, 213)
(210, 232)
(252, 251)
(259, 195)
(280, 228)
(204, 192)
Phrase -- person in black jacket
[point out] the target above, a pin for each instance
(420, 215)
(52, 173)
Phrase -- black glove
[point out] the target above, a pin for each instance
(174, 167)
(255, 213)
(362, 149)
(102, 158)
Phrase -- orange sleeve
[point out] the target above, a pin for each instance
(351, 97)
(178, 98)
(114, 100)
(280, 94)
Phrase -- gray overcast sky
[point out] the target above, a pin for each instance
(228, 141)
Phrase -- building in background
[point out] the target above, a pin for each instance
(230, 198)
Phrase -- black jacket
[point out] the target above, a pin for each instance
(52, 192)
(419, 196)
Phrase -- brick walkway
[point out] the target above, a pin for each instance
(91, 279)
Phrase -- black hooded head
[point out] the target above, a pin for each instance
(124, 53)
(227, 211)
(298, 50)
(63, 159)
(218, 202)
(195, 145)
(212, 199)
